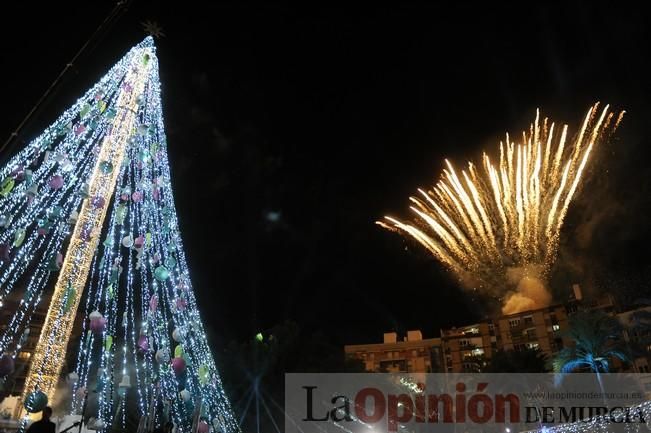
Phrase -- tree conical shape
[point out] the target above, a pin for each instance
(89, 204)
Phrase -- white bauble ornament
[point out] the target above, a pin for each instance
(178, 335)
(127, 241)
(162, 356)
(185, 395)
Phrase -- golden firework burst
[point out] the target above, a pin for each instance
(508, 211)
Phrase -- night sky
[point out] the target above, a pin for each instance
(291, 130)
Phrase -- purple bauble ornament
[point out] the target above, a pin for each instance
(4, 252)
(56, 181)
(143, 343)
(98, 202)
(178, 365)
(98, 325)
(6, 365)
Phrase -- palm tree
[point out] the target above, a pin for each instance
(597, 340)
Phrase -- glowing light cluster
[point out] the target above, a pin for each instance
(49, 355)
(98, 182)
(507, 212)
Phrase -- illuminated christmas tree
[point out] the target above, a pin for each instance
(87, 208)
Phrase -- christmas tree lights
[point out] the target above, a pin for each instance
(89, 204)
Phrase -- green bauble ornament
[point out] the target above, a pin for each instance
(204, 374)
(108, 242)
(93, 124)
(70, 298)
(7, 185)
(170, 262)
(120, 214)
(106, 167)
(108, 342)
(115, 276)
(36, 401)
(144, 156)
(161, 273)
(84, 190)
(19, 237)
(55, 213)
(85, 109)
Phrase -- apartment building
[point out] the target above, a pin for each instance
(410, 354)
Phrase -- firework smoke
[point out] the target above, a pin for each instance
(497, 227)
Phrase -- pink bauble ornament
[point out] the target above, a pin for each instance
(139, 242)
(79, 129)
(183, 285)
(178, 365)
(181, 304)
(153, 303)
(81, 392)
(203, 427)
(137, 196)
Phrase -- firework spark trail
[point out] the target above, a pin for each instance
(483, 221)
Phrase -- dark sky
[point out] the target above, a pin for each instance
(331, 117)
